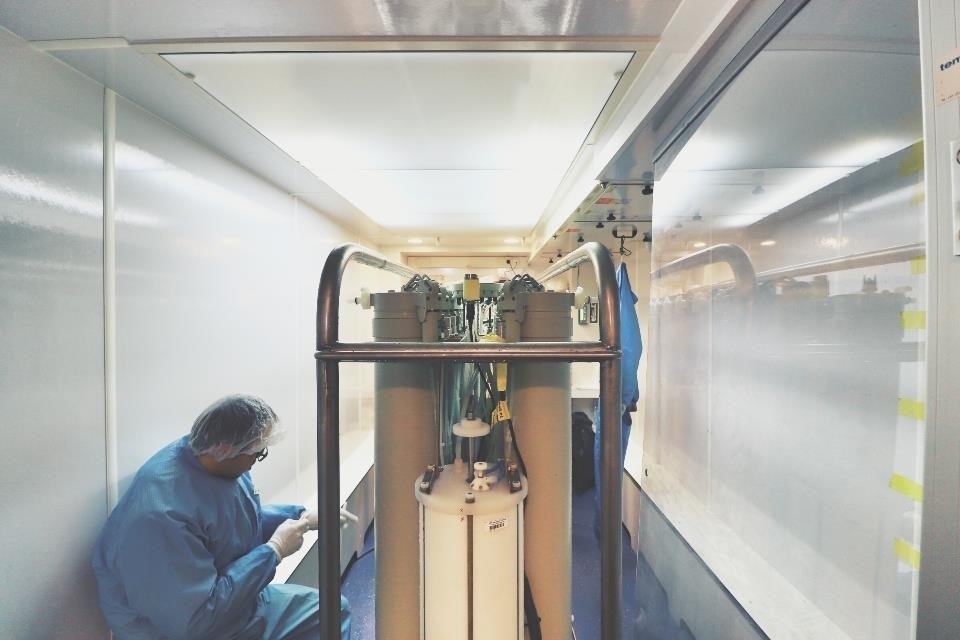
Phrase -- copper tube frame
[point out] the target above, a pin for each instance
(330, 352)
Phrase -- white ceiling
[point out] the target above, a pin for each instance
(172, 20)
(122, 45)
(762, 131)
(423, 142)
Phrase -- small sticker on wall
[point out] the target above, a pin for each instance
(500, 524)
(946, 77)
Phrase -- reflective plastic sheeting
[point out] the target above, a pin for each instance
(789, 421)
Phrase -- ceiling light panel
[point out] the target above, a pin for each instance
(423, 139)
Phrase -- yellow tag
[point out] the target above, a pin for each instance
(906, 552)
(500, 414)
(501, 376)
(471, 289)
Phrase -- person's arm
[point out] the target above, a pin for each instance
(271, 515)
(170, 578)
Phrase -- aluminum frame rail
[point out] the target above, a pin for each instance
(330, 352)
(891, 255)
(746, 280)
(743, 273)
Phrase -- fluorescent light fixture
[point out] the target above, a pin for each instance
(415, 240)
(768, 243)
(463, 140)
(699, 245)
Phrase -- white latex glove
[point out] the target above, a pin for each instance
(288, 538)
(312, 518)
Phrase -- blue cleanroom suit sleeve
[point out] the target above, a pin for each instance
(169, 577)
(271, 515)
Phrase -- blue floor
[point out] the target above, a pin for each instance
(358, 583)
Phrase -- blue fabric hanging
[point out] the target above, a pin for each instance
(631, 344)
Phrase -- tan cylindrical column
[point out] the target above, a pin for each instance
(540, 404)
(405, 443)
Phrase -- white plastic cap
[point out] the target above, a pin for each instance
(471, 428)
(364, 298)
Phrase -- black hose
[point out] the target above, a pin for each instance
(529, 606)
(513, 433)
(530, 609)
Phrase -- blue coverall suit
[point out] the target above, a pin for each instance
(631, 344)
(183, 557)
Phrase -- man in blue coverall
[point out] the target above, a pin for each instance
(189, 552)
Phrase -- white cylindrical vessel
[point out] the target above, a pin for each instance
(471, 557)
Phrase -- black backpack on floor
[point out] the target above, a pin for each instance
(582, 452)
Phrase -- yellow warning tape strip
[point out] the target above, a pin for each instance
(913, 319)
(906, 486)
(913, 161)
(911, 409)
(918, 266)
(907, 552)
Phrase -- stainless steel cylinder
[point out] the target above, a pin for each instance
(540, 404)
(405, 443)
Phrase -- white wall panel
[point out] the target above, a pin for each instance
(216, 282)
(217, 275)
(206, 299)
(315, 237)
(51, 346)
(939, 585)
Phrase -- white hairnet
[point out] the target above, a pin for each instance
(234, 425)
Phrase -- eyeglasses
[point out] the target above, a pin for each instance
(261, 455)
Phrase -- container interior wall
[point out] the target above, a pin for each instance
(940, 574)
(51, 342)
(792, 417)
(216, 277)
(216, 282)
